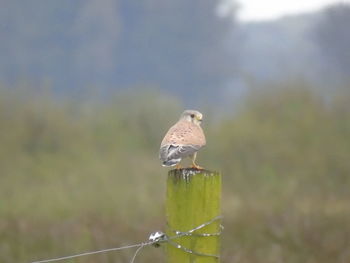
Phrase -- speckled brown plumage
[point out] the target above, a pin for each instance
(184, 132)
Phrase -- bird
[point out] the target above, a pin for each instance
(184, 139)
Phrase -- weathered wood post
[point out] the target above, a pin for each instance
(193, 198)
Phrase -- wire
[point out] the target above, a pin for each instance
(161, 239)
(136, 252)
(93, 252)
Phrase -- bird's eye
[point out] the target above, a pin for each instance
(192, 116)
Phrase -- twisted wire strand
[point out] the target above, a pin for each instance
(174, 244)
(136, 252)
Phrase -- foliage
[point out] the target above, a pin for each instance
(331, 35)
(82, 176)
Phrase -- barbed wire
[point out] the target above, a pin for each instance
(155, 239)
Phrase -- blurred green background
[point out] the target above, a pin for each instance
(85, 176)
(89, 88)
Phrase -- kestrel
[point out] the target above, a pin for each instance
(183, 140)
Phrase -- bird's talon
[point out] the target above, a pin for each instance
(197, 167)
(178, 167)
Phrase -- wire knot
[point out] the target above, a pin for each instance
(157, 237)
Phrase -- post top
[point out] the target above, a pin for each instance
(187, 173)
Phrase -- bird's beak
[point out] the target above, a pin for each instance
(199, 119)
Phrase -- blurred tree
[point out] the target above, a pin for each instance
(178, 45)
(333, 38)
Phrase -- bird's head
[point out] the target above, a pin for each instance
(192, 116)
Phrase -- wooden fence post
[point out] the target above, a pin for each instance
(193, 198)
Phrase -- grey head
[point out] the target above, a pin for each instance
(192, 116)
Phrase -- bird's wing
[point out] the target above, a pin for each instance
(171, 151)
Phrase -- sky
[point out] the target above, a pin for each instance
(253, 10)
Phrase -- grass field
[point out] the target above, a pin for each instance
(84, 176)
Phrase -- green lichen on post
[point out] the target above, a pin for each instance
(193, 198)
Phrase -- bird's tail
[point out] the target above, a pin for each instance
(171, 162)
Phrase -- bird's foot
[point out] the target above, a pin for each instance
(197, 167)
(178, 167)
